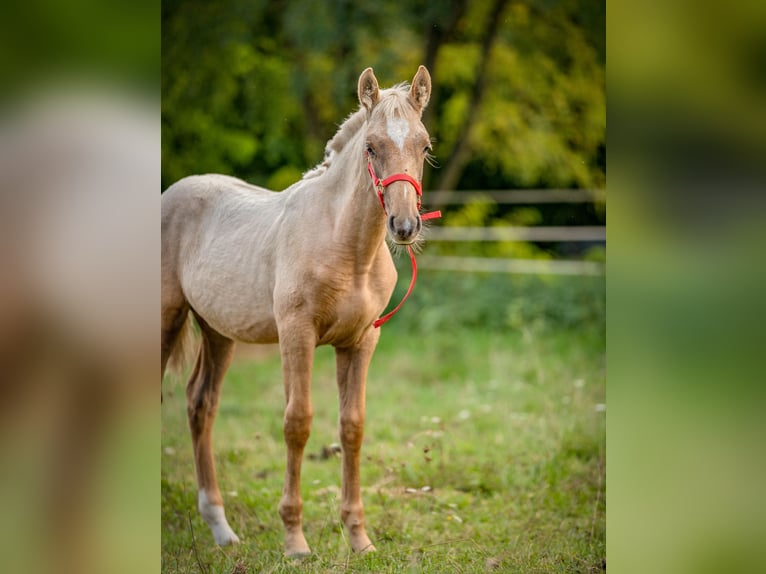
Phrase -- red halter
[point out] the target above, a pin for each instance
(380, 186)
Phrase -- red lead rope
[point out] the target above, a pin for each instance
(378, 322)
(379, 188)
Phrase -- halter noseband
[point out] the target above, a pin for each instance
(380, 186)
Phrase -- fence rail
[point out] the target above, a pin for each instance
(497, 265)
(510, 233)
(517, 196)
(515, 233)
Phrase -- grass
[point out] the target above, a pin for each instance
(483, 451)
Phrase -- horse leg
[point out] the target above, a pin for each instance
(297, 350)
(202, 394)
(352, 364)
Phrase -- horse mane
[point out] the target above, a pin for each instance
(390, 99)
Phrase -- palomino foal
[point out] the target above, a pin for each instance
(305, 267)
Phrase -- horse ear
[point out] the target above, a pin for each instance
(368, 89)
(420, 92)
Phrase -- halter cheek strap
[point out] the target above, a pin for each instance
(380, 186)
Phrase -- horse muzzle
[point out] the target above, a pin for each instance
(404, 230)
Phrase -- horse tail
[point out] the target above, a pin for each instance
(183, 351)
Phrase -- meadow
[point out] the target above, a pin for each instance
(484, 451)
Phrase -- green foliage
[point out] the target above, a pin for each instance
(448, 301)
(543, 117)
(256, 90)
(572, 303)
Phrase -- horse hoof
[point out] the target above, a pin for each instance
(224, 536)
(296, 546)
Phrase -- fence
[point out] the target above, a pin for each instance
(516, 233)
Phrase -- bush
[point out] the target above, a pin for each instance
(499, 302)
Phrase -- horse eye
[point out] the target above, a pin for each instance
(370, 150)
(428, 149)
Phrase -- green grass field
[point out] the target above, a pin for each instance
(484, 451)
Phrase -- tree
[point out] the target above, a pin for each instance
(256, 90)
(460, 152)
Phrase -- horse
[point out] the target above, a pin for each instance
(303, 267)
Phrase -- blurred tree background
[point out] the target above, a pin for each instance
(255, 89)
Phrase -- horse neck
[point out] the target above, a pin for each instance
(360, 222)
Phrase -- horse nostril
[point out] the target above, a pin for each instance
(391, 222)
(419, 225)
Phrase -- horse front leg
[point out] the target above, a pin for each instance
(297, 350)
(352, 364)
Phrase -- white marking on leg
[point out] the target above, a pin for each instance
(216, 519)
(397, 129)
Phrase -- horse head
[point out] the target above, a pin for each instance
(396, 146)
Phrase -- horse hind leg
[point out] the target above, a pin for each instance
(202, 394)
